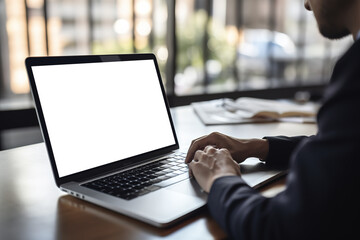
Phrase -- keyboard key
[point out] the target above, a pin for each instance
(175, 168)
(143, 192)
(152, 176)
(156, 180)
(170, 175)
(178, 172)
(127, 196)
(153, 188)
(167, 166)
(145, 184)
(182, 165)
(163, 178)
(138, 187)
(160, 173)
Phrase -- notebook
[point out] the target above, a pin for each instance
(110, 138)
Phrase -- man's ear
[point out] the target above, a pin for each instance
(307, 5)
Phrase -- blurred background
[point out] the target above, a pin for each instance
(206, 49)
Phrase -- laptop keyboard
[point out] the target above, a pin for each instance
(144, 179)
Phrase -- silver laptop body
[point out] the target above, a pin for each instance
(106, 115)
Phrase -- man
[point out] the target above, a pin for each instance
(322, 195)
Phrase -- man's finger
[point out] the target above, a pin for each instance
(192, 165)
(197, 144)
(191, 152)
(211, 149)
(190, 170)
(198, 155)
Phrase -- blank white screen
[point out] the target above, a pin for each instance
(98, 113)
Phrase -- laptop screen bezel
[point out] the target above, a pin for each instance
(107, 168)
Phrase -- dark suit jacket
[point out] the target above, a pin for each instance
(322, 195)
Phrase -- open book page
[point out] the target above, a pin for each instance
(261, 108)
(250, 110)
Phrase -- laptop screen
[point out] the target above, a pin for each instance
(102, 112)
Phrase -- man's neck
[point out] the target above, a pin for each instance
(354, 20)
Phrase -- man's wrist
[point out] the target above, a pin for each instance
(260, 148)
(217, 178)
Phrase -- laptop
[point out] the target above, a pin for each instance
(110, 138)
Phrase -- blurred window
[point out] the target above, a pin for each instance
(212, 46)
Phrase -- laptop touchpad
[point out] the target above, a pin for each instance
(189, 187)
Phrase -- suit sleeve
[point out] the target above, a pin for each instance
(281, 148)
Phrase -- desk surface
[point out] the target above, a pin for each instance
(31, 207)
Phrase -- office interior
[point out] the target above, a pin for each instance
(206, 49)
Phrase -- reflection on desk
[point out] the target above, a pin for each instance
(107, 223)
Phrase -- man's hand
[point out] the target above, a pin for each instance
(212, 163)
(240, 149)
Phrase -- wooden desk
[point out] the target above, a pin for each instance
(31, 206)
